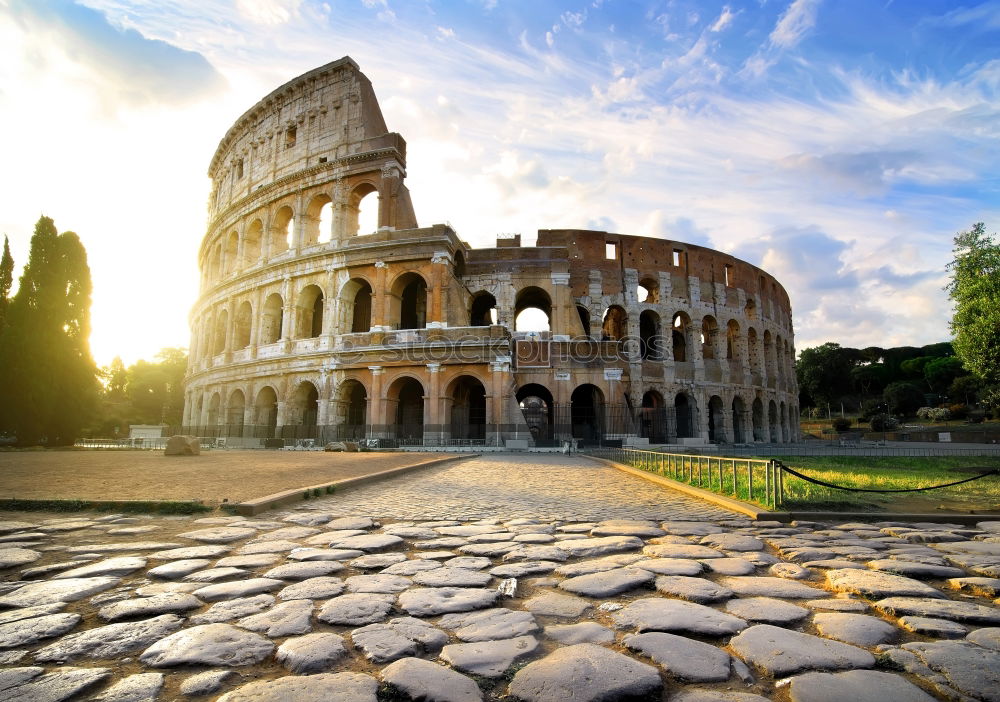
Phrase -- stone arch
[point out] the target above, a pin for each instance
(615, 324)
(532, 298)
(319, 211)
(231, 252)
(653, 417)
(241, 325)
(709, 334)
(716, 420)
(405, 407)
(538, 409)
(483, 310)
(355, 305)
(733, 340)
(649, 336)
(584, 319)
(265, 410)
(459, 267)
(783, 421)
(467, 397)
(309, 312)
(587, 412)
(680, 336)
(408, 301)
(221, 327)
(253, 238)
(757, 420)
(236, 409)
(739, 420)
(281, 230)
(649, 290)
(753, 352)
(360, 194)
(215, 270)
(686, 414)
(303, 405)
(772, 421)
(750, 309)
(769, 361)
(214, 415)
(351, 409)
(271, 320)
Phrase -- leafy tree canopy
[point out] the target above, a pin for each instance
(975, 290)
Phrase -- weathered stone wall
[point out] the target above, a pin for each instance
(409, 333)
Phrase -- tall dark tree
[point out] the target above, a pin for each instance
(975, 290)
(6, 281)
(824, 372)
(52, 377)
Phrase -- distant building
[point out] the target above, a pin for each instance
(410, 335)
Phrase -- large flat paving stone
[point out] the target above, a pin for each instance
(987, 637)
(448, 576)
(111, 641)
(488, 658)
(227, 610)
(168, 602)
(915, 570)
(691, 551)
(856, 686)
(584, 632)
(554, 604)
(428, 601)
(69, 590)
(303, 570)
(32, 684)
(312, 653)
(13, 557)
(776, 651)
(208, 644)
(320, 588)
(598, 565)
(693, 589)
(877, 584)
(386, 584)
(729, 541)
(584, 673)
(587, 548)
(766, 610)
(219, 535)
(943, 609)
(423, 680)
(489, 624)
(239, 588)
(971, 669)
(178, 569)
(659, 614)
(672, 566)
(695, 695)
(286, 619)
(681, 657)
(767, 586)
(26, 632)
(398, 638)
(368, 542)
(140, 687)
(357, 609)
(187, 552)
(856, 629)
(325, 687)
(111, 567)
(608, 582)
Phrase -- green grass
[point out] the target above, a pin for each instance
(892, 473)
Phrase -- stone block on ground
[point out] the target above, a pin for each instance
(182, 445)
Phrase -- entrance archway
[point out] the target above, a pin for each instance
(468, 409)
(265, 409)
(406, 402)
(716, 420)
(653, 418)
(535, 402)
(685, 409)
(587, 413)
(352, 406)
(739, 419)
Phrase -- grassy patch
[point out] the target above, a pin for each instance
(892, 473)
(128, 507)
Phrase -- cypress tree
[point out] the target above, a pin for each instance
(51, 376)
(6, 280)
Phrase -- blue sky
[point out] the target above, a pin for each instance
(838, 144)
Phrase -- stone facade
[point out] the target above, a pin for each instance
(308, 328)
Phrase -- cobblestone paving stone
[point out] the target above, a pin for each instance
(398, 618)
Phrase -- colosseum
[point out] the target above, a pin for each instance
(308, 330)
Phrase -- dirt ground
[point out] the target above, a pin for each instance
(212, 477)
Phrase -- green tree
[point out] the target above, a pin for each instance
(44, 346)
(940, 373)
(904, 398)
(823, 372)
(6, 281)
(975, 291)
(965, 389)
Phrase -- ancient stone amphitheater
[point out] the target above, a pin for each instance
(307, 328)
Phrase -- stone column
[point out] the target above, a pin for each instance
(433, 421)
(435, 316)
(380, 298)
(287, 314)
(376, 405)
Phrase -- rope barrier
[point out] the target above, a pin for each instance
(850, 489)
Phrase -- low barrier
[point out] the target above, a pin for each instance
(751, 479)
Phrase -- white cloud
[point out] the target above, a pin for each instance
(724, 19)
(795, 23)
(268, 12)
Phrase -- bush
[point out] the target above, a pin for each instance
(959, 411)
(841, 424)
(884, 422)
(934, 414)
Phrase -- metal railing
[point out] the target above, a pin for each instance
(751, 479)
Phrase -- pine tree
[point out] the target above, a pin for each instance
(6, 280)
(44, 348)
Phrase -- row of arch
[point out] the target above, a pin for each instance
(284, 229)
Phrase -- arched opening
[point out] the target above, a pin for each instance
(615, 324)
(750, 309)
(459, 264)
(251, 242)
(214, 405)
(732, 340)
(533, 310)
(769, 354)
(318, 224)
(648, 290)
(362, 210)
(739, 420)
(410, 295)
(587, 413)
(232, 252)
(270, 328)
(679, 335)
(468, 409)
(653, 418)
(537, 409)
(217, 263)
(584, 319)
(684, 411)
(406, 407)
(265, 411)
(304, 408)
(353, 408)
(309, 313)
(221, 325)
(243, 321)
(281, 230)
(355, 307)
(649, 335)
(757, 419)
(484, 310)
(236, 410)
(783, 422)
(709, 330)
(772, 421)
(716, 420)
(753, 352)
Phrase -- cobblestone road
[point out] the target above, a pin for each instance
(513, 579)
(538, 486)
